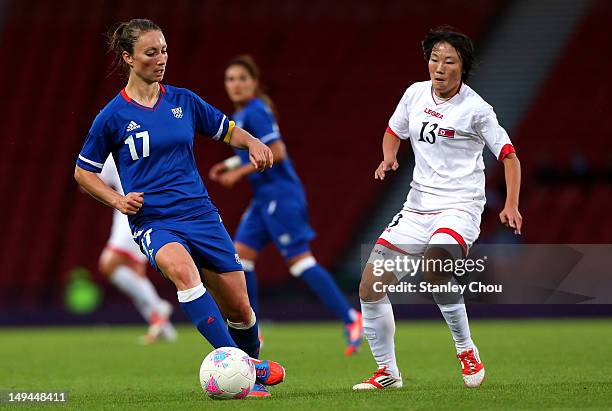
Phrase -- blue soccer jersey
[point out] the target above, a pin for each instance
(280, 180)
(278, 212)
(153, 150)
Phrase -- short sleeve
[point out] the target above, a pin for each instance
(494, 135)
(398, 123)
(260, 122)
(211, 122)
(97, 146)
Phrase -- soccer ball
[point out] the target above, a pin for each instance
(227, 373)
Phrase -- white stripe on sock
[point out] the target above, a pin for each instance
(191, 294)
(243, 326)
(304, 264)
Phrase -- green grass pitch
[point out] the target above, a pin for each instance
(536, 364)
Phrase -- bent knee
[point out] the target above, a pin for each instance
(432, 277)
(435, 263)
(368, 290)
(108, 262)
(365, 290)
(182, 274)
(241, 314)
(106, 267)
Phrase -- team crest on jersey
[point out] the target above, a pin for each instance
(446, 132)
(132, 126)
(177, 112)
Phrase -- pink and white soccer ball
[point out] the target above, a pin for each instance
(227, 373)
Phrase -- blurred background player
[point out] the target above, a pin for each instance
(124, 265)
(448, 126)
(149, 129)
(278, 212)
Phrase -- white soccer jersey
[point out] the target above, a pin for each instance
(121, 236)
(448, 139)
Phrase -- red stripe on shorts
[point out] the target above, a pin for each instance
(458, 238)
(387, 244)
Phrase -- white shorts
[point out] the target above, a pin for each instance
(121, 240)
(411, 232)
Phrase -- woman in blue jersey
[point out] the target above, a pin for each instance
(278, 212)
(149, 130)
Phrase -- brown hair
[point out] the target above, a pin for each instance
(246, 61)
(123, 38)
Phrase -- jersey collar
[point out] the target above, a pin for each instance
(431, 90)
(162, 91)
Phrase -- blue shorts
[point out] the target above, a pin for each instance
(282, 221)
(204, 237)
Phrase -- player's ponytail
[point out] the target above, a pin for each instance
(124, 36)
(246, 61)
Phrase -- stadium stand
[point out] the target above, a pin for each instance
(565, 145)
(335, 70)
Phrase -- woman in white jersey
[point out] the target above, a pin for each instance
(124, 265)
(448, 126)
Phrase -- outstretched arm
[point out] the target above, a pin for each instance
(98, 189)
(510, 215)
(230, 171)
(260, 155)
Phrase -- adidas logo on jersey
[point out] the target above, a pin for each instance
(178, 112)
(132, 126)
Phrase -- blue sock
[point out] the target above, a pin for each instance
(252, 290)
(246, 338)
(205, 315)
(323, 285)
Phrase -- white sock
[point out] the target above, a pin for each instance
(457, 320)
(379, 329)
(137, 287)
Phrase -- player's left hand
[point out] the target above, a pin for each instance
(229, 178)
(510, 217)
(384, 166)
(260, 155)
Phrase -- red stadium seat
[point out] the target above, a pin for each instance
(335, 70)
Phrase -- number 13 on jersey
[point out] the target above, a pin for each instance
(145, 144)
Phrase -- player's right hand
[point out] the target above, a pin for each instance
(215, 171)
(385, 165)
(260, 155)
(511, 217)
(130, 203)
